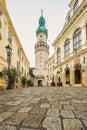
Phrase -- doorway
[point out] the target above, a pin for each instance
(67, 73)
(40, 83)
(77, 74)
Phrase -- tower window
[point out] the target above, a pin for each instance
(40, 35)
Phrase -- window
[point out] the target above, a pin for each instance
(58, 54)
(22, 70)
(9, 37)
(76, 5)
(67, 47)
(86, 31)
(0, 10)
(68, 18)
(0, 36)
(77, 39)
(22, 59)
(0, 24)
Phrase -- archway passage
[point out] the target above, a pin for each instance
(1, 75)
(67, 75)
(77, 74)
(40, 82)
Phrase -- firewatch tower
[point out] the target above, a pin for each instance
(41, 53)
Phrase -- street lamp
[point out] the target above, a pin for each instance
(9, 50)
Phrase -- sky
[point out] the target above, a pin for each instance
(25, 14)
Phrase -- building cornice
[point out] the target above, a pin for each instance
(11, 27)
(80, 10)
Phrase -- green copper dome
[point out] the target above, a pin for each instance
(41, 27)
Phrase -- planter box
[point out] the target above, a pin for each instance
(53, 84)
(59, 84)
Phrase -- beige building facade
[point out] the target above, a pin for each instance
(70, 47)
(8, 36)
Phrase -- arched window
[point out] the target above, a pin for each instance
(76, 5)
(0, 24)
(86, 31)
(77, 39)
(58, 54)
(67, 47)
(0, 36)
(0, 10)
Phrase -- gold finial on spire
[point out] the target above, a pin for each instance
(41, 12)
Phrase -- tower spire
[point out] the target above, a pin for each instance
(41, 12)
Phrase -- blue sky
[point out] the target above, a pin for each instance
(25, 14)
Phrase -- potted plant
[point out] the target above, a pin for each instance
(12, 75)
(23, 80)
(59, 83)
(29, 82)
(53, 83)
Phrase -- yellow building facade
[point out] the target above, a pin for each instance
(50, 68)
(8, 36)
(70, 46)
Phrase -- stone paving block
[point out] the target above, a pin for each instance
(76, 101)
(52, 123)
(34, 105)
(7, 127)
(26, 129)
(13, 109)
(35, 100)
(80, 107)
(24, 104)
(33, 121)
(72, 124)
(56, 106)
(5, 115)
(38, 110)
(84, 101)
(15, 103)
(53, 112)
(82, 115)
(68, 107)
(45, 105)
(43, 100)
(16, 119)
(25, 109)
(85, 122)
(67, 114)
(64, 102)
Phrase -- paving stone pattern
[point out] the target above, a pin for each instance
(44, 108)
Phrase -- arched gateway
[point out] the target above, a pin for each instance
(78, 75)
(40, 83)
(67, 75)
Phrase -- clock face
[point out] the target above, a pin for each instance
(41, 36)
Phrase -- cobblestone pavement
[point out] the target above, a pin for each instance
(44, 108)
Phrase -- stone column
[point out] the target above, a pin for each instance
(56, 79)
(63, 78)
(72, 77)
(84, 75)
